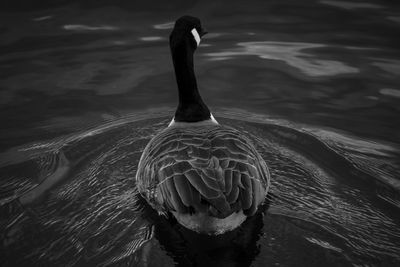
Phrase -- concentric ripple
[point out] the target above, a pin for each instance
(326, 208)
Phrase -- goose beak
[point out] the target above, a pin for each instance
(203, 32)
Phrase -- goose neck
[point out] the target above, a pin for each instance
(191, 106)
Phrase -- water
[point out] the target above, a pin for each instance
(315, 85)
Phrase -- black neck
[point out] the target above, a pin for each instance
(191, 107)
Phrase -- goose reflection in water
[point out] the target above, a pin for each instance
(188, 248)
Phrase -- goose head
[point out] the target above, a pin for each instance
(187, 33)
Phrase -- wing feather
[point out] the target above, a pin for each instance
(233, 195)
(184, 190)
(210, 179)
(228, 181)
(212, 169)
(175, 199)
(197, 182)
(246, 193)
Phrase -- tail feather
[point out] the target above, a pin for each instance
(233, 195)
(228, 181)
(221, 206)
(209, 178)
(189, 192)
(175, 198)
(184, 190)
(246, 194)
(197, 182)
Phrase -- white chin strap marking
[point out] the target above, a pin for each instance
(196, 36)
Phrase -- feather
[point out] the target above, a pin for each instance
(209, 178)
(166, 196)
(233, 195)
(197, 182)
(228, 181)
(246, 193)
(184, 190)
(221, 205)
(256, 198)
(174, 196)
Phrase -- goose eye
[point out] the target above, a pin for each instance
(196, 36)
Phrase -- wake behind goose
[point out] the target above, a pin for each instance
(210, 177)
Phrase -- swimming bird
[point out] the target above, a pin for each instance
(208, 176)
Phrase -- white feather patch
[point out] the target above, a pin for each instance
(196, 36)
(212, 120)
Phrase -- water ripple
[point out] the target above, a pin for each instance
(94, 217)
(80, 27)
(350, 5)
(164, 26)
(43, 18)
(292, 53)
(151, 38)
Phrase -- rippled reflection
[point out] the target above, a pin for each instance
(390, 92)
(292, 53)
(78, 27)
(164, 26)
(390, 66)
(350, 5)
(394, 18)
(151, 38)
(324, 200)
(43, 18)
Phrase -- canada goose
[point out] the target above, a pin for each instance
(209, 176)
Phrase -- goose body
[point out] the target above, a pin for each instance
(208, 176)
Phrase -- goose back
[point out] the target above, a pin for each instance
(210, 169)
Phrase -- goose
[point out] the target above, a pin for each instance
(210, 177)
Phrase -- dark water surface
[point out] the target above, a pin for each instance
(314, 84)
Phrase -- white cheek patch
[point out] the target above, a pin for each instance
(196, 36)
